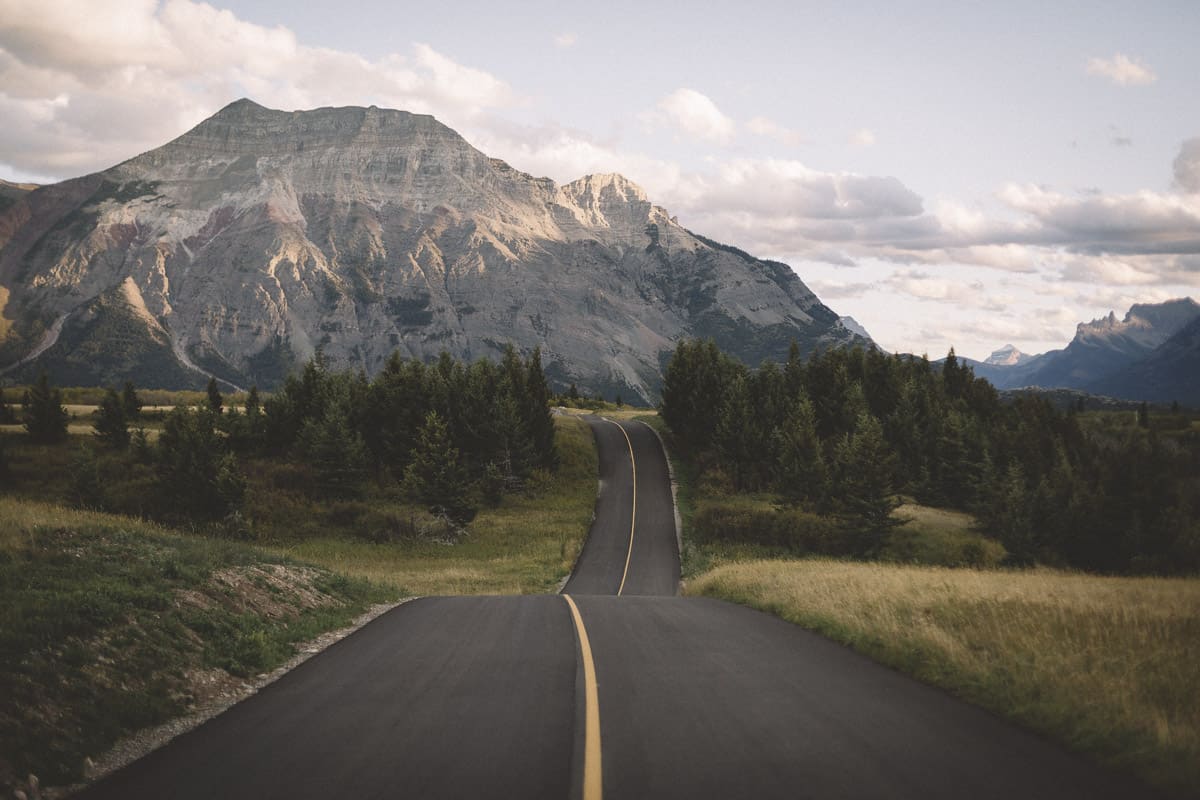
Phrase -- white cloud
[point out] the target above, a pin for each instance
(1122, 70)
(696, 115)
(762, 126)
(862, 138)
(565, 40)
(1187, 166)
(85, 84)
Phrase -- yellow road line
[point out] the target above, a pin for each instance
(633, 515)
(593, 786)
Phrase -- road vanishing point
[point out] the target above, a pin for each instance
(616, 688)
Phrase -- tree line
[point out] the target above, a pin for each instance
(451, 435)
(843, 432)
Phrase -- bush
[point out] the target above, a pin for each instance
(797, 531)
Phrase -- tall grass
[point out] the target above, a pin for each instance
(1110, 666)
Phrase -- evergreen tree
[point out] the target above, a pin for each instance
(539, 420)
(215, 401)
(336, 452)
(801, 476)
(573, 393)
(111, 425)
(1011, 517)
(45, 417)
(733, 438)
(130, 402)
(435, 476)
(863, 487)
(198, 478)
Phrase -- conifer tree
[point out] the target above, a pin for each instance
(802, 476)
(864, 484)
(538, 418)
(45, 417)
(111, 425)
(215, 401)
(1011, 517)
(336, 452)
(197, 476)
(130, 402)
(435, 477)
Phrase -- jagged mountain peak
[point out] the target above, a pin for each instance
(607, 186)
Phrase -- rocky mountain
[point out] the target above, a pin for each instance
(261, 236)
(1147, 355)
(853, 325)
(1007, 356)
(1169, 374)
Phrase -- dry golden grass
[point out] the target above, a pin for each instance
(525, 546)
(1111, 666)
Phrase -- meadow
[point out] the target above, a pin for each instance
(1107, 665)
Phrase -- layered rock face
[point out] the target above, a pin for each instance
(261, 236)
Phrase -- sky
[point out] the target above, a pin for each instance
(950, 174)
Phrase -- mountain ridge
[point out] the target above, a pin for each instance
(260, 236)
(1146, 355)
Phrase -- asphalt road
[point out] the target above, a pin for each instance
(591, 695)
(631, 550)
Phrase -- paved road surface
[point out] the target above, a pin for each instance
(620, 557)
(639, 697)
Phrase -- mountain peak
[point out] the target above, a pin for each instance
(1007, 356)
(607, 187)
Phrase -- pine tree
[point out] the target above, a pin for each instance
(538, 417)
(111, 425)
(435, 477)
(215, 401)
(1011, 516)
(336, 452)
(45, 417)
(197, 476)
(864, 485)
(130, 402)
(801, 476)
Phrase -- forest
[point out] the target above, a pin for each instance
(842, 434)
(448, 436)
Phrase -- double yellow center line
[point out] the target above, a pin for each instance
(593, 773)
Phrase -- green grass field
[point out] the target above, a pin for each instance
(107, 622)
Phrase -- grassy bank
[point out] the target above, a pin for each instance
(1106, 665)
(526, 545)
(109, 625)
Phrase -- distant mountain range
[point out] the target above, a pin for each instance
(1152, 354)
(260, 236)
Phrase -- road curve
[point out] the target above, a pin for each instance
(631, 549)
